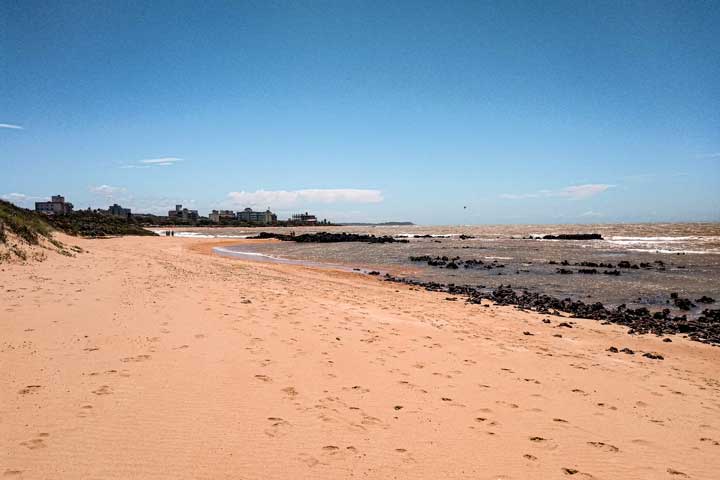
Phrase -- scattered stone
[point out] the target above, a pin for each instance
(653, 356)
(574, 236)
(628, 351)
(327, 237)
(705, 328)
(683, 303)
(588, 271)
(612, 349)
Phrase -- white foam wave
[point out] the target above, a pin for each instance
(200, 235)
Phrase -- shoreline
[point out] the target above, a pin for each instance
(150, 357)
(700, 326)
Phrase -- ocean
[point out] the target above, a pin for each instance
(658, 259)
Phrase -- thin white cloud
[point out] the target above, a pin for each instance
(591, 213)
(293, 198)
(154, 162)
(161, 161)
(583, 191)
(21, 199)
(576, 192)
(12, 126)
(709, 155)
(106, 190)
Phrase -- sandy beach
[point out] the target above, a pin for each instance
(153, 358)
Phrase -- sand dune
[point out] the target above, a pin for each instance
(151, 358)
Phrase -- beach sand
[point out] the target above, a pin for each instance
(153, 358)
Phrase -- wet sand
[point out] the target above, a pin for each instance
(153, 358)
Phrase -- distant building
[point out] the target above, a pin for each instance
(118, 211)
(181, 213)
(56, 205)
(217, 216)
(304, 218)
(263, 218)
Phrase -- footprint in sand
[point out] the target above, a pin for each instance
(264, 378)
(12, 473)
(34, 444)
(103, 390)
(277, 428)
(290, 391)
(30, 389)
(604, 446)
(676, 473)
(137, 358)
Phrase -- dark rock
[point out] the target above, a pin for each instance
(705, 328)
(626, 264)
(705, 299)
(327, 237)
(653, 356)
(588, 271)
(574, 236)
(628, 351)
(612, 349)
(683, 303)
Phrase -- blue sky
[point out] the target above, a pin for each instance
(523, 112)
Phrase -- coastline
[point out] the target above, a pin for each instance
(141, 358)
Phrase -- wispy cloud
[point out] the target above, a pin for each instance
(106, 190)
(576, 192)
(164, 161)
(591, 213)
(154, 162)
(21, 199)
(709, 155)
(293, 198)
(11, 126)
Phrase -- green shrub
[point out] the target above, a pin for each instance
(93, 224)
(26, 224)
